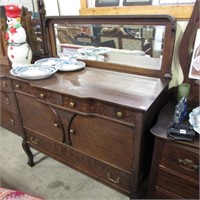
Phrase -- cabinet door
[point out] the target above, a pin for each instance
(40, 117)
(108, 141)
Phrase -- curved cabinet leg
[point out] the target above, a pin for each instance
(28, 152)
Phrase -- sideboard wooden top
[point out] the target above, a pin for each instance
(138, 92)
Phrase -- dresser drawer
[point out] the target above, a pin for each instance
(181, 159)
(100, 108)
(174, 183)
(6, 85)
(48, 96)
(11, 121)
(21, 86)
(112, 176)
(8, 101)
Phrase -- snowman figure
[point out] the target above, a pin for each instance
(19, 52)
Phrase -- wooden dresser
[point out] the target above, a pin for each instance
(175, 164)
(93, 120)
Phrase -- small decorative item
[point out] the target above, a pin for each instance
(19, 51)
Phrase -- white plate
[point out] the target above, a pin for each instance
(33, 72)
(94, 51)
(49, 61)
(70, 66)
(194, 119)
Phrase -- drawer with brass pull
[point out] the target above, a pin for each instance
(21, 86)
(47, 96)
(104, 109)
(8, 102)
(5, 85)
(181, 159)
(11, 121)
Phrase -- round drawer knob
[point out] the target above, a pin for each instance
(72, 131)
(72, 104)
(42, 95)
(56, 125)
(119, 114)
(17, 86)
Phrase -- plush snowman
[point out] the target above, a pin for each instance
(19, 52)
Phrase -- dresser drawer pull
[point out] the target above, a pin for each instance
(72, 104)
(188, 164)
(42, 95)
(12, 122)
(17, 86)
(4, 84)
(119, 114)
(56, 125)
(117, 180)
(7, 101)
(34, 140)
(72, 131)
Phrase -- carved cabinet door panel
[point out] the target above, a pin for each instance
(106, 140)
(40, 117)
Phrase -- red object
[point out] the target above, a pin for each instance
(13, 11)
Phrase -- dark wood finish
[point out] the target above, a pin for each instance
(100, 129)
(170, 177)
(96, 120)
(10, 117)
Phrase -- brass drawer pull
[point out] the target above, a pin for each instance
(72, 131)
(188, 164)
(72, 104)
(12, 122)
(42, 95)
(17, 86)
(117, 180)
(7, 101)
(119, 114)
(56, 125)
(34, 140)
(4, 84)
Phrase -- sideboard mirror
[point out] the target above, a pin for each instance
(134, 44)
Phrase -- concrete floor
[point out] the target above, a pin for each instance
(48, 179)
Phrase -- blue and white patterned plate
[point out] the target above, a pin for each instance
(91, 51)
(33, 71)
(70, 66)
(49, 61)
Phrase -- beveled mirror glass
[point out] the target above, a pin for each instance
(137, 42)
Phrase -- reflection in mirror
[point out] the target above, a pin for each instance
(121, 44)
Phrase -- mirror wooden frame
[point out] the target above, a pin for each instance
(165, 20)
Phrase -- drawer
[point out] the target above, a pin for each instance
(185, 188)
(103, 172)
(11, 121)
(21, 86)
(6, 85)
(8, 101)
(48, 96)
(181, 159)
(100, 108)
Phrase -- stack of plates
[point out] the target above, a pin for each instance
(33, 71)
(194, 119)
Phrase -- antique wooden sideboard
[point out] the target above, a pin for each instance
(96, 120)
